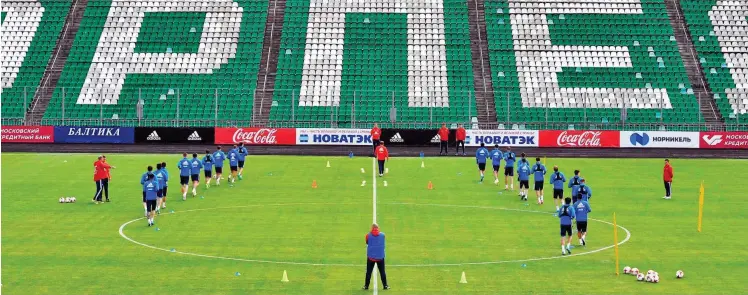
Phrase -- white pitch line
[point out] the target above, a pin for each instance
(374, 211)
(122, 234)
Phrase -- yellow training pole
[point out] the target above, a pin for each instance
(543, 160)
(701, 204)
(615, 241)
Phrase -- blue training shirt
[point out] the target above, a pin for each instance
(144, 177)
(574, 183)
(523, 173)
(184, 167)
(557, 179)
(242, 151)
(218, 158)
(496, 156)
(584, 193)
(566, 214)
(510, 157)
(233, 158)
(151, 187)
(196, 165)
(582, 208)
(208, 163)
(539, 172)
(481, 155)
(161, 177)
(166, 175)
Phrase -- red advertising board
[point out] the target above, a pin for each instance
(256, 136)
(580, 139)
(28, 134)
(723, 140)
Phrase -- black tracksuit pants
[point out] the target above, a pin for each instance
(102, 188)
(443, 147)
(370, 268)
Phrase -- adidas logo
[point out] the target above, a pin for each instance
(396, 138)
(436, 139)
(153, 136)
(194, 136)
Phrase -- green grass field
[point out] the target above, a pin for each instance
(274, 215)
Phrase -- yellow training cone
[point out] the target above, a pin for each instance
(463, 279)
(285, 277)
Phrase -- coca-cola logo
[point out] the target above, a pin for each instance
(260, 136)
(584, 139)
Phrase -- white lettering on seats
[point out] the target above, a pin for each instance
(730, 22)
(115, 56)
(538, 60)
(16, 34)
(324, 50)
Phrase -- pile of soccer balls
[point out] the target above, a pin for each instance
(67, 200)
(651, 276)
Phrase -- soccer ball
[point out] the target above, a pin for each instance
(62, 200)
(679, 274)
(655, 278)
(72, 199)
(640, 277)
(635, 271)
(650, 272)
(626, 270)
(648, 278)
(67, 200)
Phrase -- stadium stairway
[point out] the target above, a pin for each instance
(268, 62)
(701, 90)
(485, 102)
(56, 63)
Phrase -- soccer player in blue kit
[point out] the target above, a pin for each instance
(565, 214)
(151, 188)
(219, 156)
(242, 151)
(582, 209)
(481, 155)
(557, 179)
(523, 175)
(162, 178)
(233, 163)
(195, 166)
(539, 174)
(208, 168)
(574, 183)
(496, 157)
(143, 179)
(509, 158)
(166, 185)
(585, 192)
(184, 167)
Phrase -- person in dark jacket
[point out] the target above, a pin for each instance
(375, 255)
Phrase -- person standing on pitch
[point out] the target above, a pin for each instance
(443, 140)
(166, 185)
(382, 155)
(582, 208)
(195, 166)
(667, 176)
(242, 151)
(574, 183)
(539, 174)
(557, 179)
(105, 181)
(376, 134)
(496, 156)
(208, 168)
(219, 156)
(523, 175)
(460, 135)
(151, 188)
(509, 158)
(481, 155)
(565, 215)
(143, 179)
(184, 175)
(375, 255)
(100, 173)
(233, 164)
(161, 177)
(585, 192)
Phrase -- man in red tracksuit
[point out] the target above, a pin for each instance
(443, 139)
(382, 155)
(667, 176)
(100, 173)
(376, 133)
(461, 134)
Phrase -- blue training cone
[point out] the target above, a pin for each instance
(237, 274)
(350, 155)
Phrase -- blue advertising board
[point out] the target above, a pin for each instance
(78, 134)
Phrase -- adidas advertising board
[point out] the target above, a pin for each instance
(501, 137)
(659, 139)
(425, 137)
(325, 136)
(158, 135)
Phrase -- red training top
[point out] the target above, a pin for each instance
(376, 133)
(100, 170)
(444, 134)
(382, 153)
(667, 173)
(461, 134)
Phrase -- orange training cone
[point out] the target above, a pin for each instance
(430, 186)
(314, 183)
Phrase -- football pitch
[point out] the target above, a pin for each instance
(241, 239)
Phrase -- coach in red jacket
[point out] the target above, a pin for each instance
(382, 155)
(443, 140)
(376, 134)
(667, 176)
(101, 173)
(461, 134)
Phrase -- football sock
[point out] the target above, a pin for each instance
(563, 250)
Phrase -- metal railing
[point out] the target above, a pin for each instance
(173, 107)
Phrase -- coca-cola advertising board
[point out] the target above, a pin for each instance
(256, 136)
(723, 140)
(580, 138)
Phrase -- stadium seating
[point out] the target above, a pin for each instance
(337, 56)
(720, 34)
(190, 59)
(27, 38)
(580, 61)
